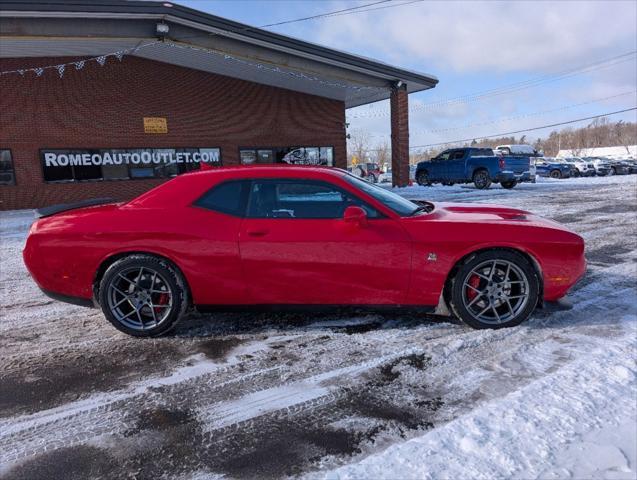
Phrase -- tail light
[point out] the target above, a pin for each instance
(501, 163)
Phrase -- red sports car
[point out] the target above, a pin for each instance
(292, 235)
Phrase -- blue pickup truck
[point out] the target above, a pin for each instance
(478, 165)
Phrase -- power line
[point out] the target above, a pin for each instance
(514, 87)
(326, 14)
(517, 117)
(525, 130)
(334, 13)
(377, 8)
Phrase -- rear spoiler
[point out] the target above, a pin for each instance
(63, 207)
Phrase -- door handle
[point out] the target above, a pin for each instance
(258, 232)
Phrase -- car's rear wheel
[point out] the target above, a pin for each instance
(509, 185)
(481, 179)
(142, 295)
(423, 179)
(495, 289)
(555, 174)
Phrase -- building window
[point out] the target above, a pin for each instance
(292, 155)
(123, 164)
(7, 173)
(248, 157)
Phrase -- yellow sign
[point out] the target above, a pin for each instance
(155, 125)
(354, 160)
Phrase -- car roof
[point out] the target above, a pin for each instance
(269, 170)
(179, 189)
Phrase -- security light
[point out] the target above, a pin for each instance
(162, 29)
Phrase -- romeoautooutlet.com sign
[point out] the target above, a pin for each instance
(61, 165)
(58, 158)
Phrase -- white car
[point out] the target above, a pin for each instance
(584, 168)
(602, 166)
(517, 150)
(385, 177)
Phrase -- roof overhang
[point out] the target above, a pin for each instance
(71, 28)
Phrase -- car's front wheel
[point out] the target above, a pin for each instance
(494, 289)
(555, 174)
(142, 295)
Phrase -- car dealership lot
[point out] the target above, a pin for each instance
(388, 395)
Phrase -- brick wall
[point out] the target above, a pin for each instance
(399, 105)
(103, 107)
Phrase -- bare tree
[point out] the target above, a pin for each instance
(624, 134)
(358, 146)
(382, 154)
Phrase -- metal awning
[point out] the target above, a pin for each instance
(70, 28)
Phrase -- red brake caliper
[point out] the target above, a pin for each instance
(474, 281)
(162, 300)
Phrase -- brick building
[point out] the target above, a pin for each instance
(137, 92)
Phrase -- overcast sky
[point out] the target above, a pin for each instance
(473, 47)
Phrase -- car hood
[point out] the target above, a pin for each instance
(469, 211)
(486, 213)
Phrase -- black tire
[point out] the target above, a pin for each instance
(371, 178)
(423, 179)
(555, 174)
(522, 311)
(509, 185)
(481, 179)
(576, 173)
(173, 289)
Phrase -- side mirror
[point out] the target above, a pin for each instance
(355, 215)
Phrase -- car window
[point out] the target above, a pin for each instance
(301, 199)
(457, 155)
(228, 197)
(398, 204)
(444, 156)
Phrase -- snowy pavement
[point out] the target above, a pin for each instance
(387, 396)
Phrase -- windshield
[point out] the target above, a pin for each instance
(398, 204)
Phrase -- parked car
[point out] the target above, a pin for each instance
(602, 165)
(522, 149)
(584, 169)
(385, 177)
(619, 167)
(368, 171)
(477, 165)
(546, 168)
(632, 165)
(289, 235)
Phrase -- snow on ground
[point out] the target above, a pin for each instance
(393, 395)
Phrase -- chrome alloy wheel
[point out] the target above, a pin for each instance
(495, 291)
(140, 298)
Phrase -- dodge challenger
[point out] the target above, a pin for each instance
(273, 236)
